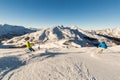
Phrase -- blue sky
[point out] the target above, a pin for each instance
(86, 14)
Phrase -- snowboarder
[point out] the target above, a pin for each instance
(102, 46)
(29, 46)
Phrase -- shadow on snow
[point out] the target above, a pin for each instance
(8, 64)
(48, 55)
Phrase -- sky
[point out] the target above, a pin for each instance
(86, 14)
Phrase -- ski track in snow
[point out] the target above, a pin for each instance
(57, 65)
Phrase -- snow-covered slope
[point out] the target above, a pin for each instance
(115, 32)
(9, 31)
(111, 34)
(60, 64)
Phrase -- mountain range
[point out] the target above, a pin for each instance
(60, 36)
(10, 31)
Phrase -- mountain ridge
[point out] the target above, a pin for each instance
(60, 36)
(9, 31)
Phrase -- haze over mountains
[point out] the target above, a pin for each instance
(59, 36)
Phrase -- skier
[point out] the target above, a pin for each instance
(102, 46)
(39, 45)
(29, 46)
(86, 44)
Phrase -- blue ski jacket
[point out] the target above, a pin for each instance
(102, 45)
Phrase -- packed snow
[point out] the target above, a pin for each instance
(60, 64)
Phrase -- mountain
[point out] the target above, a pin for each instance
(60, 36)
(115, 32)
(10, 31)
(111, 34)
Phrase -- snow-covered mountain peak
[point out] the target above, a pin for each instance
(110, 32)
(60, 36)
(9, 31)
(74, 27)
